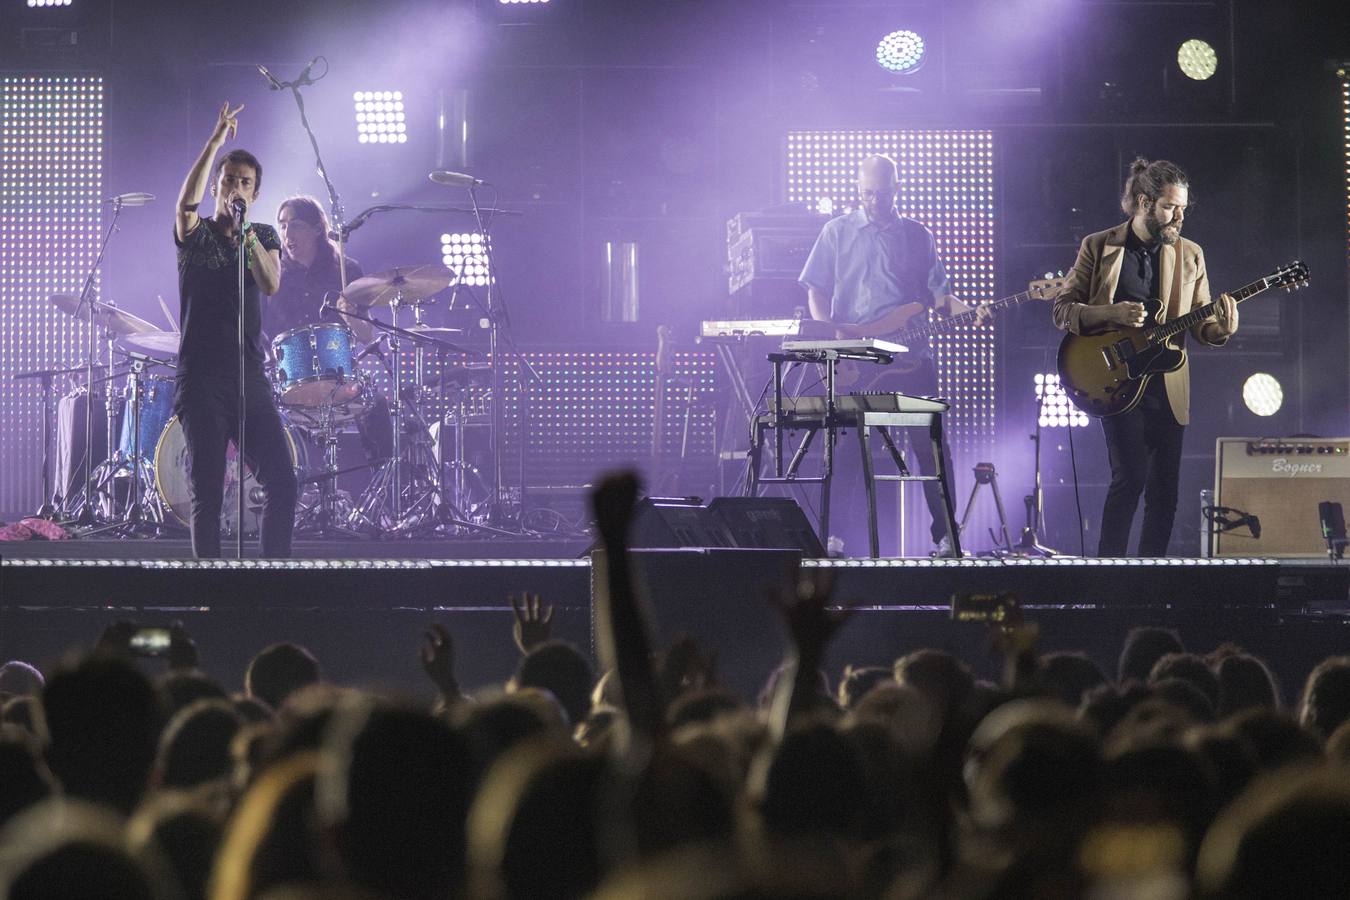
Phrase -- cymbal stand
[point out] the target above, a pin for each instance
(139, 489)
(324, 517)
(1030, 544)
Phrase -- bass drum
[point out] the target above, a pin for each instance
(171, 478)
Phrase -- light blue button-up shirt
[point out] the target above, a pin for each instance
(866, 269)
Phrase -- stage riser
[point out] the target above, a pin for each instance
(365, 624)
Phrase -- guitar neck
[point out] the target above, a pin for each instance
(1175, 326)
(928, 329)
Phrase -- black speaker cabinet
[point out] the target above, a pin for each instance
(768, 523)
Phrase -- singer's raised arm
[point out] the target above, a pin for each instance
(186, 217)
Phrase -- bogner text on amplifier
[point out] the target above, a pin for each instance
(1280, 481)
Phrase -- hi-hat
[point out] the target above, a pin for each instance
(401, 284)
(105, 315)
(162, 344)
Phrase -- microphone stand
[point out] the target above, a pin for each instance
(242, 254)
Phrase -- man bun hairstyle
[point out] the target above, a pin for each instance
(1149, 179)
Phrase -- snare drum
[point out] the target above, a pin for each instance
(175, 490)
(316, 366)
(156, 410)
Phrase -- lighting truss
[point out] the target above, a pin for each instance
(51, 181)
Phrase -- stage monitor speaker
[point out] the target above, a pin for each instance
(1280, 481)
(768, 523)
(673, 522)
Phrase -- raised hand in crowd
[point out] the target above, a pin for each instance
(532, 621)
(805, 601)
(623, 639)
(438, 661)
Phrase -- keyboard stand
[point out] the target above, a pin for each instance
(829, 420)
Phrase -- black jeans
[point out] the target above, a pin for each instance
(1144, 446)
(208, 411)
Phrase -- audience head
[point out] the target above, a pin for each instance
(1325, 703)
(279, 671)
(1188, 667)
(19, 679)
(1144, 646)
(185, 830)
(395, 798)
(195, 746)
(562, 670)
(66, 848)
(103, 717)
(24, 778)
(857, 682)
(1068, 676)
(1245, 682)
(180, 688)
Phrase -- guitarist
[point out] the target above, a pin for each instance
(864, 265)
(1116, 270)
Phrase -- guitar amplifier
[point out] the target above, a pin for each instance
(1280, 481)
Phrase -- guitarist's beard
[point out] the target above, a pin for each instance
(1158, 232)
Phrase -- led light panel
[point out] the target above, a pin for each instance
(51, 182)
(464, 254)
(1053, 404)
(947, 183)
(380, 117)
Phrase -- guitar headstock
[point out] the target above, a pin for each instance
(1291, 277)
(1047, 288)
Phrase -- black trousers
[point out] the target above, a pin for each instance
(208, 411)
(849, 507)
(1144, 447)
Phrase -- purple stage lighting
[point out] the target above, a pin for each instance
(1055, 409)
(463, 254)
(900, 52)
(379, 117)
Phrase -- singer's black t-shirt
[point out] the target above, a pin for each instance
(208, 291)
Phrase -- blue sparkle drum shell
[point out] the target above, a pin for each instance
(156, 410)
(316, 366)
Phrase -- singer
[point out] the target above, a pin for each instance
(208, 391)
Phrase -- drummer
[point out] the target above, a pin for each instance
(309, 271)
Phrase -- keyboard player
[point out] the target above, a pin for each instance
(864, 267)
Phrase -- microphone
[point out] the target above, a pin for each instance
(272, 83)
(455, 179)
(240, 208)
(375, 346)
(1253, 523)
(304, 73)
(135, 198)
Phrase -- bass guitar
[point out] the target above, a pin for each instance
(1105, 374)
(899, 326)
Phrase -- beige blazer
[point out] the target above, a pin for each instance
(1183, 287)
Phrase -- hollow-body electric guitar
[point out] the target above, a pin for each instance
(1105, 374)
(898, 326)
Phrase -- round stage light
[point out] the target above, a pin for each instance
(1262, 394)
(900, 52)
(1197, 59)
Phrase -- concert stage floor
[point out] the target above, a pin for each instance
(364, 616)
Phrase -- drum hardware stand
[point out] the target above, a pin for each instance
(332, 508)
(139, 490)
(48, 509)
(985, 474)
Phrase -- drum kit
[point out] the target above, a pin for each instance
(424, 485)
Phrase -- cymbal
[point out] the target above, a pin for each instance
(105, 315)
(153, 343)
(406, 284)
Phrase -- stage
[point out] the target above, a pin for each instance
(362, 606)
